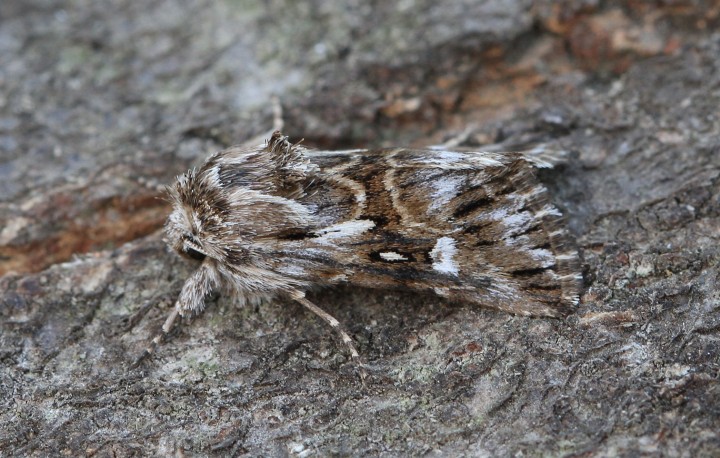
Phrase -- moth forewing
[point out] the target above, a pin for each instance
(279, 219)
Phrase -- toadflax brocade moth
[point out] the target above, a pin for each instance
(280, 219)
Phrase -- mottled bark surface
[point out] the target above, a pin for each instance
(102, 101)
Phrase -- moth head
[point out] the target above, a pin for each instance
(183, 236)
(238, 200)
(191, 249)
(188, 228)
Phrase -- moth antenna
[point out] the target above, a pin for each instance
(456, 140)
(299, 296)
(277, 125)
(278, 122)
(157, 340)
(545, 156)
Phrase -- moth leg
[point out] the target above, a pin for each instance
(157, 340)
(191, 299)
(299, 296)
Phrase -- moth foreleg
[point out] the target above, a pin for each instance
(191, 299)
(299, 296)
(157, 340)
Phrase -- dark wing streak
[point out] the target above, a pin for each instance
(479, 238)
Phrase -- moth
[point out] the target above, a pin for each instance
(280, 219)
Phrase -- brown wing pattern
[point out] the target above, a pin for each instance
(473, 227)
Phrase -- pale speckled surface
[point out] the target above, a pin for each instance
(102, 101)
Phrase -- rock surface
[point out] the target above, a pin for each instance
(102, 101)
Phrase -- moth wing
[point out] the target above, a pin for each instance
(471, 226)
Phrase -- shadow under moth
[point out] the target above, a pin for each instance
(280, 219)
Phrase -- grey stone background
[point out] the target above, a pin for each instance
(100, 101)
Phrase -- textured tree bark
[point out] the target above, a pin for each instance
(101, 102)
